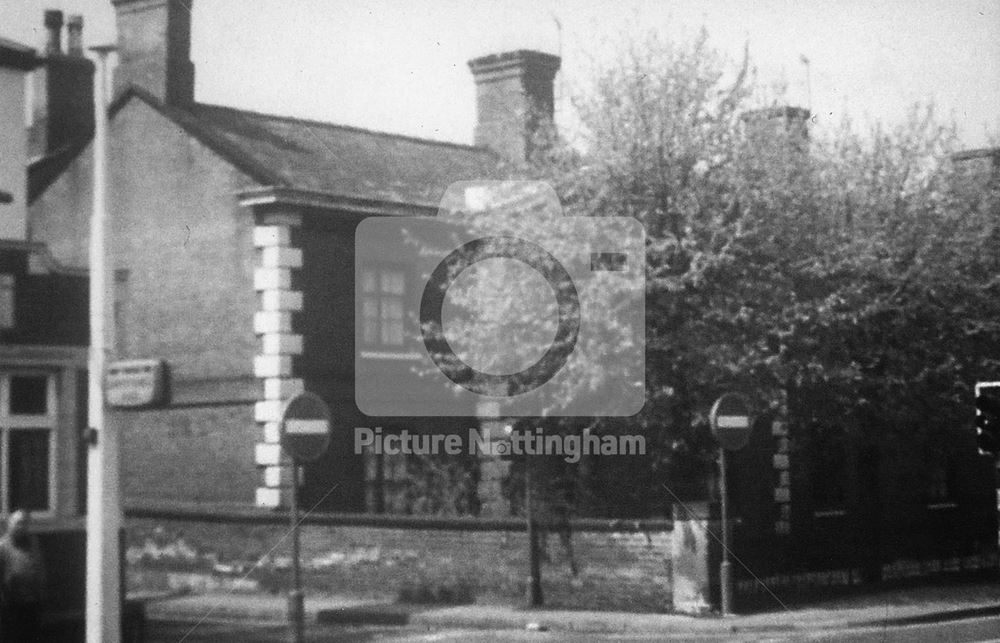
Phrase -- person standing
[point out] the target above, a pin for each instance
(22, 582)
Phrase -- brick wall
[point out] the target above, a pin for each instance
(182, 253)
(199, 454)
(624, 569)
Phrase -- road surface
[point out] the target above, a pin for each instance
(220, 631)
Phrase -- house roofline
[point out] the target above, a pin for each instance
(297, 120)
(190, 124)
(14, 55)
(284, 195)
(274, 188)
(44, 254)
(61, 159)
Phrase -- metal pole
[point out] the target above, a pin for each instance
(725, 570)
(103, 608)
(806, 62)
(534, 563)
(295, 603)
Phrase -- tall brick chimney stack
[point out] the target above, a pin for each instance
(514, 95)
(780, 123)
(53, 27)
(62, 94)
(154, 48)
(74, 36)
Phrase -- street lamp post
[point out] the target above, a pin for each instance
(296, 609)
(103, 607)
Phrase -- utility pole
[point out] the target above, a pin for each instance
(103, 607)
(730, 421)
(726, 566)
(296, 608)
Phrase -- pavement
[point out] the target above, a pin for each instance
(919, 605)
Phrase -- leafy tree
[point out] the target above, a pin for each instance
(861, 265)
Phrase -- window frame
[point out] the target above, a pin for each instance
(48, 422)
(380, 268)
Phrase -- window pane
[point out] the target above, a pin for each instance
(392, 308)
(392, 333)
(395, 467)
(369, 312)
(368, 281)
(371, 331)
(392, 282)
(28, 394)
(28, 469)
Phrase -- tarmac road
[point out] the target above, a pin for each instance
(216, 631)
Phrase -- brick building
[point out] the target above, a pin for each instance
(232, 244)
(232, 237)
(43, 341)
(43, 331)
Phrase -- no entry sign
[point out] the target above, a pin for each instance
(730, 420)
(305, 428)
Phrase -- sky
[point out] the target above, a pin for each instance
(401, 67)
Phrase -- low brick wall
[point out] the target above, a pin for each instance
(618, 565)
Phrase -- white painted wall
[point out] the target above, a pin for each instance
(13, 154)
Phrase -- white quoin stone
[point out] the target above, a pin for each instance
(277, 476)
(280, 388)
(267, 455)
(281, 257)
(281, 344)
(272, 432)
(268, 411)
(272, 279)
(272, 366)
(268, 497)
(272, 321)
(268, 236)
(281, 300)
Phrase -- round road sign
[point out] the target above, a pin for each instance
(731, 421)
(305, 428)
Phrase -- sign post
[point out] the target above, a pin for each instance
(305, 436)
(730, 422)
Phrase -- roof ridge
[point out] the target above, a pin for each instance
(187, 120)
(354, 128)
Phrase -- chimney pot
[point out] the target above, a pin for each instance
(74, 35)
(53, 25)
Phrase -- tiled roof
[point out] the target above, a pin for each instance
(42, 171)
(14, 54)
(327, 158)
